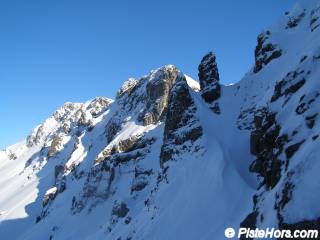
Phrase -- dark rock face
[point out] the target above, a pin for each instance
(265, 51)
(284, 196)
(290, 150)
(267, 144)
(306, 102)
(290, 84)
(180, 125)
(209, 78)
(112, 128)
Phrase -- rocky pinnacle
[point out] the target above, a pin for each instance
(209, 78)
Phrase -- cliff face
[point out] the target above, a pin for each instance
(173, 158)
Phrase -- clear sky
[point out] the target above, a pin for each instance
(57, 51)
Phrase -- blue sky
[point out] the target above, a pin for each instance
(57, 51)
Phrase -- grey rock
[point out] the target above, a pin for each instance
(56, 145)
(209, 78)
(180, 116)
(157, 95)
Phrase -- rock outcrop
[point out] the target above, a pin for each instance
(56, 145)
(49, 195)
(157, 94)
(290, 84)
(181, 125)
(265, 51)
(98, 105)
(267, 144)
(209, 78)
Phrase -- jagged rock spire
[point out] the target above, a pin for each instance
(209, 78)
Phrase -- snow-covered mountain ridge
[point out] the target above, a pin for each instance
(175, 158)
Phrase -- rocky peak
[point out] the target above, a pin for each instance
(157, 94)
(98, 105)
(68, 117)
